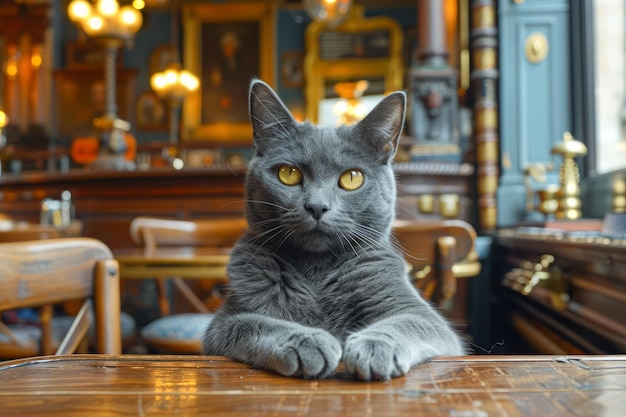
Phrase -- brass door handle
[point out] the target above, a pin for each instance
(536, 47)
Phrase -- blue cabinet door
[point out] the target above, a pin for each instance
(535, 95)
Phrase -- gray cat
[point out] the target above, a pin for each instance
(317, 280)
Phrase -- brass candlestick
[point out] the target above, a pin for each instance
(569, 194)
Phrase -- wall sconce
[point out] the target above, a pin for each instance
(36, 57)
(11, 67)
(4, 120)
(331, 11)
(112, 26)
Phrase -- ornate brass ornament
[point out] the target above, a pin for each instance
(536, 47)
(569, 194)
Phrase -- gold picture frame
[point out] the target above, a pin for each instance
(335, 55)
(218, 110)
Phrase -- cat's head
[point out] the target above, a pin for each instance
(319, 188)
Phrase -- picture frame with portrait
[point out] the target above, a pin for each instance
(226, 45)
(151, 112)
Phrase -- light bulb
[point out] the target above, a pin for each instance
(189, 80)
(157, 81)
(130, 18)
(107, 8)
(78, 10)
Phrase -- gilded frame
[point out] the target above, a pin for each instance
(198, 23)
(318, 71)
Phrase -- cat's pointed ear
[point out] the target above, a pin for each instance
(381, 128)
(268, 114)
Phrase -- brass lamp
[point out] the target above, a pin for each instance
(569, 193)
(113, 26)
(173, 85)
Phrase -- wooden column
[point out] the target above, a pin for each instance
(483, 77)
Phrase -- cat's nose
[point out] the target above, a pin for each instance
(317, 210)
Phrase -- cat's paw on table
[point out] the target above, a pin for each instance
(372, 357)
(313, 355)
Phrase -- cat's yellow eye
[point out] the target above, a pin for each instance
(351, 180)
(289, 175)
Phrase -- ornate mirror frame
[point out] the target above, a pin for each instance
(331, 55)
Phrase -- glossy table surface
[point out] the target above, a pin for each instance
(161, 385)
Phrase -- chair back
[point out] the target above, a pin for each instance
(44, 273)
(433, 251)
(152, 232)
(181, 333)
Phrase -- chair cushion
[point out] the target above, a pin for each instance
(30, 336)
(178, 333)
(61, 324)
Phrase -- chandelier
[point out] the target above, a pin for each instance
(174, 83)
(106, 19)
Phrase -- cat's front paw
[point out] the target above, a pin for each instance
(308, 355)
(375, 357)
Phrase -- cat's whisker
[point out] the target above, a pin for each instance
(285, 238)
(278, 230)
(394, 241)
(265, 233)
(349, 240)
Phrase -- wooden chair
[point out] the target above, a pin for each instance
(440, 254)
(20, 231)
(181, 333)
(44, 273)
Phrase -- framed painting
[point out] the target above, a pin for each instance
(226, 45)
(152, 112)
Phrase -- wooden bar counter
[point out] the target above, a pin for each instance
(485, 386)
(107, 201)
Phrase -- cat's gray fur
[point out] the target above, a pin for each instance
(317, 279)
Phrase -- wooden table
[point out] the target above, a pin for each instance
(177, 263)
(481, 386)
(183, 262)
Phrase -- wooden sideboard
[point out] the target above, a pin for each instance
(107, 201)
(560, 292)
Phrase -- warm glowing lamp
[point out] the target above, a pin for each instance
(174, 84)
(113, 26)
(349, 109)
